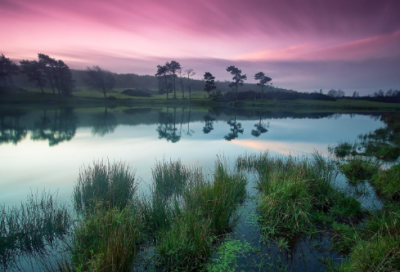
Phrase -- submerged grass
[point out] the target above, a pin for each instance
(107, 241)
(359, 168)
(387, 183)
(104, 183)
(33, 225)
(296, 193)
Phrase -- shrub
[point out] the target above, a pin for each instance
(387, 183)
(359, 168)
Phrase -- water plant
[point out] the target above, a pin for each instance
(107, 240)
(104, 183)
(387, 183)
(32, 226)
(359, 168)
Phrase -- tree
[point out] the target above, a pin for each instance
(100, 79)
(189, 73)
(356, 94)
(237, 78)
(173, 67)
(181, 82)
(263, 81)
(33, 70)
(210, 83)
(336, 94)
(163, 77)
(49, 66)
(64, 78)
(8, 68)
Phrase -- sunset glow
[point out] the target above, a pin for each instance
(293, 41)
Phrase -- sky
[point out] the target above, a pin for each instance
(303, 45)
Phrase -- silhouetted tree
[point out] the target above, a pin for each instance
(336, 93)
(164, 79)
(33, 70)
(8, 68)
(208, 126)
(189, 73)
(356, 94)
(173, 67)
(180, 72)
(64, 78)
(49, 67)
(100, 79)
(237, 78)
(263, 81)
(210, 83)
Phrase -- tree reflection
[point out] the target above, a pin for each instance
(63, 127)
(235, 129)
(209, 125)
(167, 127)
(10, 130)
(104, 123)
(189, 131)
(260, 128)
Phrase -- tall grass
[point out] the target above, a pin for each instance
(376, 247)
(107, 241)
(295, 190)
(201, 210)
(387, 183)
(33, 225)
(110, 184)
(359, 168)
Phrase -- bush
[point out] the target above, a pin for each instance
(111, 98)
(143, 92)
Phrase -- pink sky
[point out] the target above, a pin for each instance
(301, 44)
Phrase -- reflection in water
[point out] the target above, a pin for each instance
(236, 128)
(104, 123)
(208, 126)
(260, 128)
(61, 128)
(10, 129)
(167, 127)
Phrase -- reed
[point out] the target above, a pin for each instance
(109, 184)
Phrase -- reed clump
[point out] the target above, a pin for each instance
(359, 168)
(377, 246)
(194, 216)
(294, 191)
(110, 184)
(107, 240)
(30, 227)
(387, 183)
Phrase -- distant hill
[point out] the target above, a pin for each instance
(145, 81)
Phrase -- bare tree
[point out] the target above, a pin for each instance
(189, 73)
(100, 79)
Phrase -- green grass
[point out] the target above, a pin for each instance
(106, 184)
(376, 247)
(387, 183)
(107, 240)
(296, 193)
(359, 168)
(33, 225)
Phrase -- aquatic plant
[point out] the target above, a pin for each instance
(32, 226)
(387, 183)
(359, 168)
(104, 183)
(107, 240)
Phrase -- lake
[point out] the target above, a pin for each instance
(43, 149)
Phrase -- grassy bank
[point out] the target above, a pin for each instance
(88, 98)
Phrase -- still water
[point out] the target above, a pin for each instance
(45, 148)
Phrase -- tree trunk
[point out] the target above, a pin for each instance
(190, 93)
(174, 88)
(41, 87)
